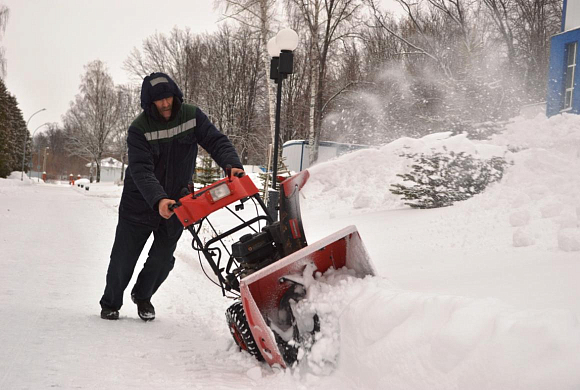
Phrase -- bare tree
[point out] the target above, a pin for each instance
(93, 115)
(451, 33)
(258, 16)
(325, 21)
(233, 87)
(171, 54)
(295, 95)
(219, 72)
(59, 162)
(129, 107)
(501, 14)
(535, 21)
(381, 44)
(4, 13)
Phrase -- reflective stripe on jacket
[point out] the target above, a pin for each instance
(162, 157)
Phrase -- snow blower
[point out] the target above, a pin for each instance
(265, 267)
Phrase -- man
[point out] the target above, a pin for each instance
(162, 142)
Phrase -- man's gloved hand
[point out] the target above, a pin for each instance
(238, 172)
(164, 208)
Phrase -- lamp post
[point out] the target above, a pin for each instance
(280, 49)
(44, 165)
(38, 154)
(24, 143)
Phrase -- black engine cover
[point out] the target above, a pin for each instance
(254, 248)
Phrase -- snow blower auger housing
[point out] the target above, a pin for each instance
(264, 267)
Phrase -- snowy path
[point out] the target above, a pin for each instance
(380, 336)
(52, 335)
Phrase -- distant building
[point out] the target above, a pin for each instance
(296, 153)
(111, 169)
(563, 80)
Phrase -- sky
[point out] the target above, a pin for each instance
(48, 42)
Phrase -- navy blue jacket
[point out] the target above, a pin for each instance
(162, 153)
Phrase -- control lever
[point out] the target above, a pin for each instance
(229, 172)
(174, 205)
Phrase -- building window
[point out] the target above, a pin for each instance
(570, 72)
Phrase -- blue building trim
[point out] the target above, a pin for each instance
(557, 73)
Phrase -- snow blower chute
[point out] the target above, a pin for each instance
(264, 266)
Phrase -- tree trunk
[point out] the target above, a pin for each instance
(270, 87)
(314, 132)
(122, 168)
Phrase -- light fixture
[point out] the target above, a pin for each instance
(274, 52)
(273, 48)
(219, 192)
(287, 39)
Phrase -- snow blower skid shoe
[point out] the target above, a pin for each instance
(267, 265)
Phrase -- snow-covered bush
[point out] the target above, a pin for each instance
(444, 178)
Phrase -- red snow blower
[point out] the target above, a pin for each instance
(263, 269)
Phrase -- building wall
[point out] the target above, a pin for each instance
(110, 174)
(571, 15)
(297, 153)
(556, 74)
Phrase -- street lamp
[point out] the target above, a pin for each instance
(280, 49)
(38, 159)
(44, 165)
(24, 143)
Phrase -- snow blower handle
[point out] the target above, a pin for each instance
(184, 192)
(229, 173)
(174, 205)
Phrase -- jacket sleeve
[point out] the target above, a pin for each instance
(142, 168)
(215, 143)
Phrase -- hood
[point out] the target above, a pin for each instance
(158, 86)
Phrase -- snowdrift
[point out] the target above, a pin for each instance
(539, 195)
(387, 337)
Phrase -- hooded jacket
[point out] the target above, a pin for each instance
(162, 153)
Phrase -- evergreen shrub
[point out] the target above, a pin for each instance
(440, 179)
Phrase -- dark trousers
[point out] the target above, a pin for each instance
(130, 239)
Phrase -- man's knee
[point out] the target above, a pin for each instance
(168, 265)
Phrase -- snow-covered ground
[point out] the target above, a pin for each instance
(481, 295)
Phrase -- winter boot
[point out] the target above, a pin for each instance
(109, 314)
(145, 309)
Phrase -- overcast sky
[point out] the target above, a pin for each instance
(48, 42)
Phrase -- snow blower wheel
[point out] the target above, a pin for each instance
(240, 330)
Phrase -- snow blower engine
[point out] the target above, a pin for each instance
(266, 263)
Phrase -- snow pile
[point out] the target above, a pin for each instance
(324, 303)
(361, 180)
(385, 336)
(450, 339)
(98, 190)
(539, 195)
(16, 179)
(371, 331)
